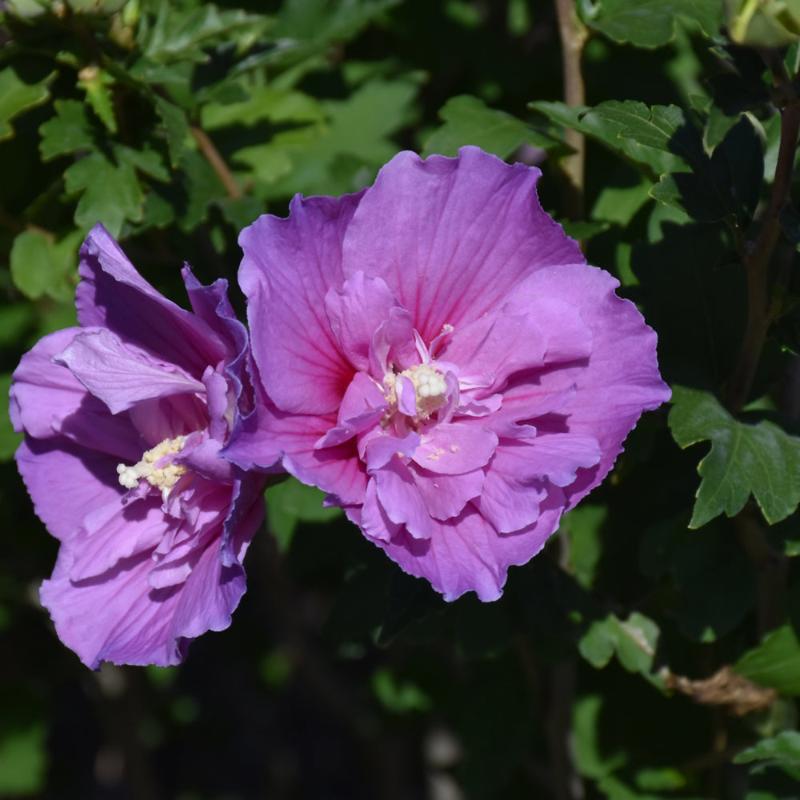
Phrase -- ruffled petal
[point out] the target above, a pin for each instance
(289, 266)
(455, 448)
(46, 400)
(66, 482)
(115, 532)
(120, 375)
(401, 499)
(372, 518)
(269, 435)
(355, 312)
(604, 398)
(453, 236)
(467, 554)
(496, 346)
(446, 495)
(116, 617)
(113, 295)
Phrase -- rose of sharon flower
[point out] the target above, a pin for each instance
(124, 418)
(436, 355)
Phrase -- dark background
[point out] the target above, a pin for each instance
(341, 678)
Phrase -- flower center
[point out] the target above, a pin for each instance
(429, 387)
(155, 467)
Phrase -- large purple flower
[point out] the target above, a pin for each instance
(124, 418)
(437, 356)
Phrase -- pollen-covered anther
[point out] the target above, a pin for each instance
(155, 468)
(430, 389)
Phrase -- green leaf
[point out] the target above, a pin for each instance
(360, 126)
(177, 34)
(176, 127)
(651, 23)
(9, 438)
(263, 103)
(289, 503)
(781, 751)
(583, 230)
(15, 321)
(656, 137)
(619, 204)
(96, 83)
(764, 23)
(726, 185)
(590, 761)
(66, 132)
(110, 192)
(318, 22)
(582, 527)
(397, 697)
(633, 641)
(17, 96)
(23, 760)
(775, 662)
(759, 459)
(468, 120)
(41, 266)
(329, 158)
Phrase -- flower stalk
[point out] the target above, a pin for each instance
(757, 259)
(573, 35)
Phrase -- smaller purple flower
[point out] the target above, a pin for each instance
(124, 418)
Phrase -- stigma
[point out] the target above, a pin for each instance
(155, 467)
(428, 385)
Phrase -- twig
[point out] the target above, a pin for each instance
(217, 162)
(573, 37)
(770, 566)
(757, 261)
(771, 569)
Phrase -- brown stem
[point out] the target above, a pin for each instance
(771, 569)
(217, 162)
(770, 565)
(757, 261)
(573, 37)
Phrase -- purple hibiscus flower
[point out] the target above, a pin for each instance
(436, 355)
(124, 418)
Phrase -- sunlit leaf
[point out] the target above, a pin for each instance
(289, 503)
(745, 458)
(633, 641)
(468, 120)
(651, 23)
(41, 266)
(16, 96)
(781, 751)
(67, 132)
(775, 662)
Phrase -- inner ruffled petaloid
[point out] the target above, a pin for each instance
(442, 424)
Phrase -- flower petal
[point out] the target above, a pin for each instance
(355, 312)
(467, 554)
(455, 448)
(113, 295)
(401, 499)
(496, 346)
(269, 434)
(373, 519)
(446, 495)
(66, 481)
(289, 267)
(121, 376)
(621, 379)
(46, 399)
(453, 236)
